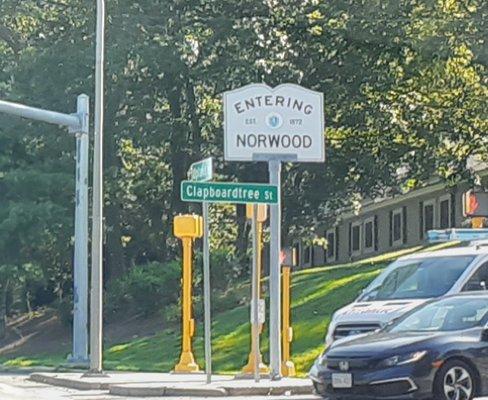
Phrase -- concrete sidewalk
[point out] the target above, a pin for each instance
(138, 384)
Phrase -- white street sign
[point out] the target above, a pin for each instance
(261, 312)
(262, 123)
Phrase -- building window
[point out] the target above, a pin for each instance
(369, 235)
(397, 227)
(428, 215)
(356, 238)
(306, 255)
(445, 212)
(331, 245)
(296, 249)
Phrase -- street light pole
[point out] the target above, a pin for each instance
(79, 356)
(72, 121)
(77, 124)
(96, 299)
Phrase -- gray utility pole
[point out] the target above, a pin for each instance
(207, 293)
(96, 298)
(78, 124)
(274, 274)
(80, 290)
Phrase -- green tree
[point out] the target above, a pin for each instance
(405, 89)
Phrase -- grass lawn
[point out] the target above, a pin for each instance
(316, 294)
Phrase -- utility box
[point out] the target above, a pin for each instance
(188, 225)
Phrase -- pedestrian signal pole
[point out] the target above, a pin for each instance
(187, 228)
(287, 366)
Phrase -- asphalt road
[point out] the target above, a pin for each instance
(17, 387)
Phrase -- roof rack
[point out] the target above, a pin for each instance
(477, 237)
(479, 243)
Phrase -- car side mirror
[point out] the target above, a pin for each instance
(476, 286)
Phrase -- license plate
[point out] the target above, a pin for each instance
(341, 381)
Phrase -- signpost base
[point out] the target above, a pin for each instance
(248, 369)
(251, 375)
(288, 369)
(187, 364)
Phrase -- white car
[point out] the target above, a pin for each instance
(408, 282)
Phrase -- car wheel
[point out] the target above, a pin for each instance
(455, 381)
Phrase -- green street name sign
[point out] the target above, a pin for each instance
(229, 192)
(201, 170)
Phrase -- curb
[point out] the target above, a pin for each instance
(27, 370)
(68, 383)
(126, 390)
(131, 391)
(225, 391)
(269, 391)
(205, 392)
(136, 390)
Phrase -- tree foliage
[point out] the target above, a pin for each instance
(405, 89)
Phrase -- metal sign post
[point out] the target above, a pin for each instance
(274, 274)
(285, 123)
(77, 124)
(203, 171)
(207, 293)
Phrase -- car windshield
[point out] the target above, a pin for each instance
(418, 278)
(449, 314)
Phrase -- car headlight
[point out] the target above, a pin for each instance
(403, 359)
(323, 360)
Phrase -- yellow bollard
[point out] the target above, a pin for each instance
(287, 366)
(248, 369)
(187, 228)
